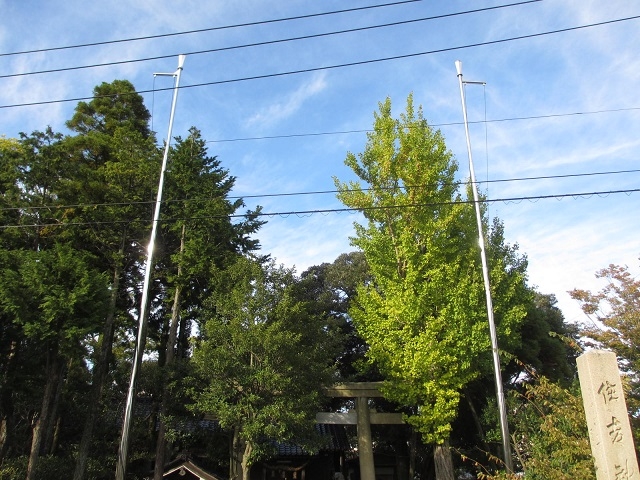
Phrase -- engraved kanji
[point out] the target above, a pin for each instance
(615, 430)
(609, 391)
(623, 472)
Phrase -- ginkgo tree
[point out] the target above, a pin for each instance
(424, 313)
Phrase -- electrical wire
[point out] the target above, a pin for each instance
(318, 192)
(210, 29)
(264, 43)
(438, 125)
(337, 66)
(455, 184)
(299, 213)
(434, 204)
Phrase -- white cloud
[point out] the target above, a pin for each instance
(311, 240)
(290, 104)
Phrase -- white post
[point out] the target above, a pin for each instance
(504, 426)
(121, 466)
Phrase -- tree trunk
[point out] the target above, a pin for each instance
(52, 373)
(7, 420)
(235, 455)
(413, 447)
(6, 429)
(35, 449)
(50, 429)
(183, 337)
(100, 371)
(56, 436)
(161, 444)
(476, 421)
(443, 462)
(246, 465)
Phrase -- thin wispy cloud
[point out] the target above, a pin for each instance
(290, 104)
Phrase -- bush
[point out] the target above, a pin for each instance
(549, 434)
(48, 468)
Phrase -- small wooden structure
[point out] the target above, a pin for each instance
(183, 468)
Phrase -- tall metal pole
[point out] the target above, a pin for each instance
(121, 467)
(504, 426)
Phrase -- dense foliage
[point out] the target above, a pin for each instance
(549, 433)
(239, 349)
(614, 312)
(423, 315)
(76, 213)
(264, 358)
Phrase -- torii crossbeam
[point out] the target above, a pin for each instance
(362, 417)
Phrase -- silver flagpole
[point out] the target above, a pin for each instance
(504, 426)
(121, 467)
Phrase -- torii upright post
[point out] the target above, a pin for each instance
(121, 467)
(362, 417)
(504, 426)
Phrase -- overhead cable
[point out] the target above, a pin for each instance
(343, 65)
(210, 29)
(456, 184)
(346, 209)
(319, 192)
(264, 43)
(433, 204)
(435, 125)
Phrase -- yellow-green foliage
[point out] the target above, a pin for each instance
(549, 434)
(424, 315)
(10, 145)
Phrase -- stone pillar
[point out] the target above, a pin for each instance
(365, 443)
(607, 417)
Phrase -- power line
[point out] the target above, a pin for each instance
(449, 124)
(345, 210)
(211, 29)
(324, 192)
(408, 55)
(316, 192)
(289, 135)
(343, 65)
(268, 42)
(457, 184)
(434, 204)
(319, 192)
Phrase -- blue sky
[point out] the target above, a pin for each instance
(557, 105)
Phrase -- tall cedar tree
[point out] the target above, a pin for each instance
(83, 193)
(11, 154)
(52, 295)
(198, 235)
(116, 165)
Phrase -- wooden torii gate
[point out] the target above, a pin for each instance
(362, 417)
